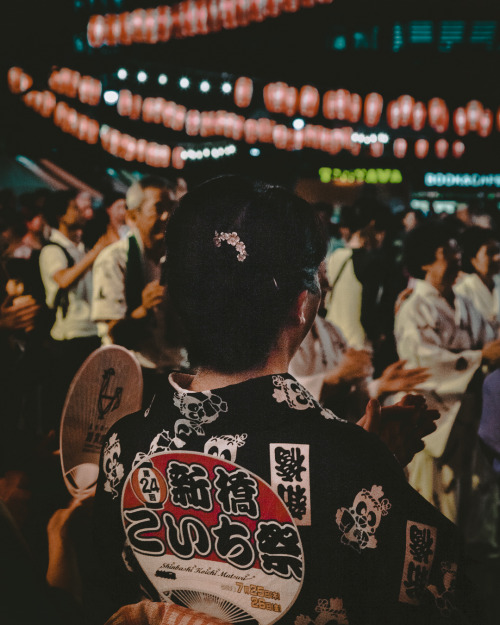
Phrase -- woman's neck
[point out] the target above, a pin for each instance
(487, 280)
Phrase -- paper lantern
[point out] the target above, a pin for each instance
(473, 110)
(355, 108)
(342, 103)
(356, 149)
(312, 136)
(207, 124)
(151, 26)
(421, 148)
(125, 36)
(265, 130)
(242, 13)
(373, 109)
(193, 122)
(168, 112)
(329, 108)
(309, 101)
(238, 127)
(250, 131)
(152, 154)
(298, 139)
(280, 136)
(165, 22)
(457, 149)
(179, 117)
(229, 125)
(141, 147)
(243, 91)
(336, 141)
(274, 96)
(256, 11)
(406, 103)
(438, 114)
(96, 31)
(48, 104)
(137, 25)
(177, 161)
(441, 148)
(291, 101)
(325, 136)
(60, 113)
(18, 81)
(92, 132)
(460, 122)
(114, 141)
(400, 146)
(228, 14)
(164, 156)
(113, 30)
(89, 90)
(376, 149)
(346, 134)
(148, 109)
(220, 122)
(394, 114)
(485, 123)
(70, 124)
(418, 116)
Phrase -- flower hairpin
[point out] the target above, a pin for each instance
(233, 239)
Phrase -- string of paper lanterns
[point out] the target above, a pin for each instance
(72, 84)
(186, 19)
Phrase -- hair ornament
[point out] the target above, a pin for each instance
(233, 239)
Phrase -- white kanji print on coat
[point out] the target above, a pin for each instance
(113, 469)
(359, 522)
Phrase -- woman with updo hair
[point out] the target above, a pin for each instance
(241, 270)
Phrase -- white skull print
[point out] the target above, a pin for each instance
(293, 393)
(113, 469)
(359, 522)
(225, 446)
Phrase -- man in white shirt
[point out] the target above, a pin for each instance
(65, 268)
(444, 332)
(128, 299)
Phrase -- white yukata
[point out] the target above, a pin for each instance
(448, 341)
(485, 301)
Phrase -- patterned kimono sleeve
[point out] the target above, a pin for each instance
(419, 341)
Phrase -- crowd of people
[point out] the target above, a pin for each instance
(374, 367)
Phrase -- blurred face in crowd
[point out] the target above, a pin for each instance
(73, 219)
(444, 270)
(150, 218)
(487, 260)
(117, 212)
(84, 203)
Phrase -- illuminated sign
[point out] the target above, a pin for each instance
(359, 176)
(461, 180)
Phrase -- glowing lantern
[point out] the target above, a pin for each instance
(418, 116)
(291, 101)
(400, 146)
(356, 149)
(251, 131)
(336, 141)
(342, 103)
(125, 37)
(148, 109)
(474, 110)
(96, 31)
(228, 125)
(309, 101)
(238, 127)
(421, 148)
(438, 114)
(137, 23)
(179, 118)
(485, 123)
(60, 114)
(229, 14)
(441, 148)
(92, 132)
(152, 150)
(298, 139)
(457, 149)
(48, 104)
(394, 114)
(114, 141)
(280, 136)
(325, 137)
(356, 108)
(377, 149)
(329, 111)
(164, 154)
(18, 81)
(130, 149)
(460, 122)
(193, 122)
(256, 11)
(150, 26)
(29, 98)
(406, 103)
(220, 122)
(113, 30)
(312, 136)
(214, 16)
(141, 147)
(291, 6)
(168, 112)
(177, 160)
(164, 23)
(243, 91)
(373, 109)
(274, 96)
(207, 124)
(265, 130)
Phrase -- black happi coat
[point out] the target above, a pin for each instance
(375, 552)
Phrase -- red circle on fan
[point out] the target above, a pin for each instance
(149, 485)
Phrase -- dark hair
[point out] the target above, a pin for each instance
(471, 241)
(365, 210)
(421, 244)
(233, 310)
(110, 198)
(57, 205)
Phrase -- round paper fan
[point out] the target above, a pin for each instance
(107, 387)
